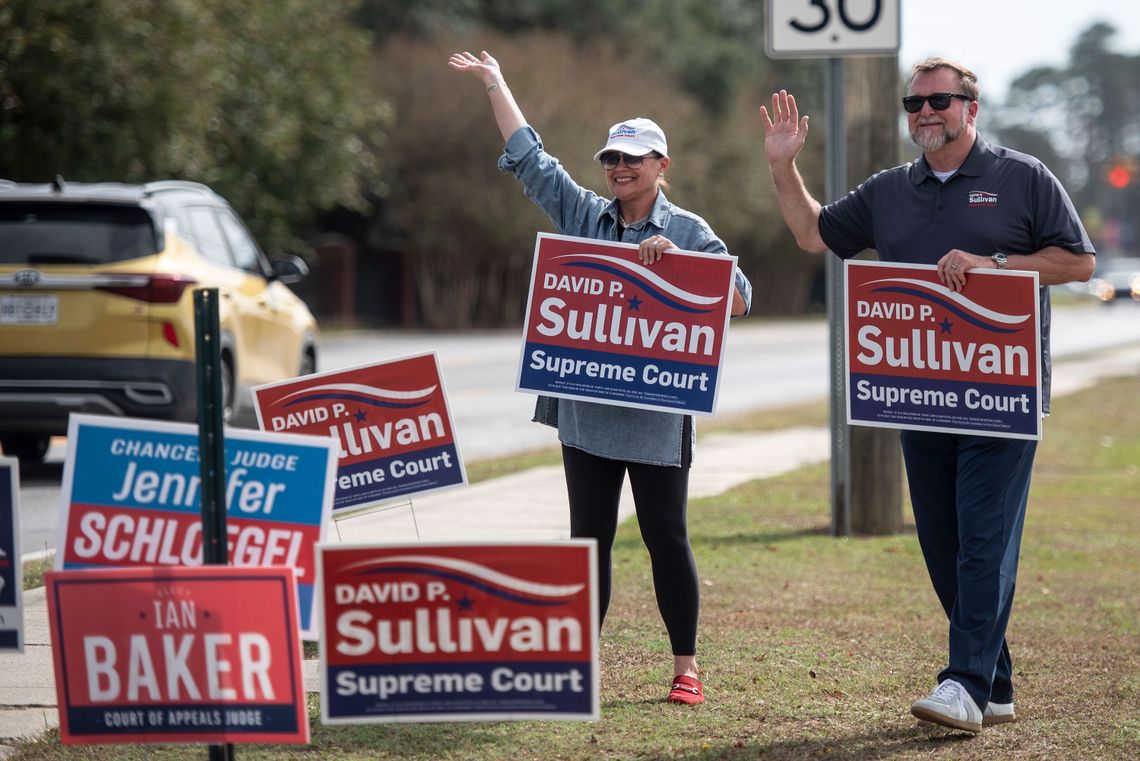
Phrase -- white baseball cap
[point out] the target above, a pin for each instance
(636, 137)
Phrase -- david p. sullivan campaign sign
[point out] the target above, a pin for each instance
(391, 421)
(924, 357)
(603, 327)
(459, 632)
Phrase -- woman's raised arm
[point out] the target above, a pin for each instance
(507, 113)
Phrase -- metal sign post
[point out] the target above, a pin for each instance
(211, 443)
(834, 29)
(836, 153)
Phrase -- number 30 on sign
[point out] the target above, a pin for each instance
(831, 28)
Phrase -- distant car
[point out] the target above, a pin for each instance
(1116, 279)
(97, 312)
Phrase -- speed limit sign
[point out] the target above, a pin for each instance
(832, 28)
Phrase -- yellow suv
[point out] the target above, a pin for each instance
(97, 313)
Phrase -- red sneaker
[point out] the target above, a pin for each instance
(686, 689)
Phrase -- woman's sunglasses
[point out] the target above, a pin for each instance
(611, 159)
(939, 101)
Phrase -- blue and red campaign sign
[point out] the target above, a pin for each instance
(11, 567)
(132, 497)
(177, 655)
(603, 327)
(391, 421)
(458, 632)
(924, 357)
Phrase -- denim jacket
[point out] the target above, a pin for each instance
(618, 433)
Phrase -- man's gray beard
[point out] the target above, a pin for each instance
(930, 143)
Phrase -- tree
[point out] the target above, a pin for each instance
(709, 47)
(259, 99)
(1086, 116)
(467, 231)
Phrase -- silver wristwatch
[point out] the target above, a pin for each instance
(1000, 260)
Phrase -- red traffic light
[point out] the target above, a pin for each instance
(1121, 170)
(1119, 177)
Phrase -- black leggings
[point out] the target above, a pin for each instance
(659, 494)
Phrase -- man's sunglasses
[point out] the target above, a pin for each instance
(611, 159)
(939, 101)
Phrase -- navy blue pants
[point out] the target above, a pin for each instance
(969, 495)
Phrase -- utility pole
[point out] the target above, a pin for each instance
(872, 90)
(862, 136)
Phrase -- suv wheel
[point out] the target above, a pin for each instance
(308, 361)
(28, 447)
(227, 391)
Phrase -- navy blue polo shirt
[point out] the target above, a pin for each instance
(999, 200)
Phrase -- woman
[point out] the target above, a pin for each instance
(601, 443)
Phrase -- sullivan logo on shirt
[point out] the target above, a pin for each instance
(982, 198)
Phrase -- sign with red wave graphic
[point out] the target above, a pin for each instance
(924, 357)
(459, 632)
(603, 327)
(391, 421)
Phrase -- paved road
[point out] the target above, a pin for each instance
(768, 364)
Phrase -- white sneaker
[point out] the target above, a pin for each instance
(998, 713)
(950, 705)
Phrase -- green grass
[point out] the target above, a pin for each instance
(814, 647)
(481, 470)
(809, 414)
(34, 571)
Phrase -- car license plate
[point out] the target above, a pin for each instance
(29, 310)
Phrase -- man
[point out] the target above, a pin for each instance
(968, 492)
